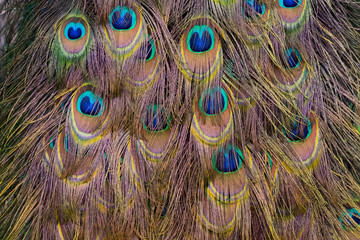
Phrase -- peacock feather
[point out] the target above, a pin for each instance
(179, 119)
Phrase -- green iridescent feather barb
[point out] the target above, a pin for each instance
(179, 119)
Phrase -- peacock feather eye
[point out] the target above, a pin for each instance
(211, 106)
(88, 115)
(293, 13)
(349, 218)
(201, 51)
(122, 18)
(69, 152)
(298, 131)
(144, 71)
(156, 134)
(293, 58)
(73, 36)
(124, 31)
(74, 31)
(289, 3)
(90, 104)
(200, 39)
(228, 160)
(305, 140)
(147, 50)
(229, 183)
(293, 74)
(213, 101)
(156, 119)
(253, 9)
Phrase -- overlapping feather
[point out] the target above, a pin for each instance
(206, 119)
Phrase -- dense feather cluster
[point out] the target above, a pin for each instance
(180, 119)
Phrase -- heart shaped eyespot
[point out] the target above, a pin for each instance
(200, 39)
(122, 18)
(125, 31)
(201, 51)
(73, 36)
(90, 104)
(88, 114)
(74, 31)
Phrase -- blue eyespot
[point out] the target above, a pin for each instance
(156, 119)
(90, 104)
(349, 218)
(74, 31)
(200, 39)
(293, 58)
(213, 101)
(228, 160)
(253, 8)
(122, 18)
(147, 51)
(289, 3)
(299, 131)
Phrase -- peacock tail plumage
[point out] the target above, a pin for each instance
(180, 119)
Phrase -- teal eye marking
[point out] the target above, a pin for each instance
(213, 101)
(351, 215)
(156, 120)
(150, 50)
(270, 163)
(147, 51)
(253, 9)
(90, 104)
(295, 134)
(228, 161)
(200, 39)
(66, 142)
(293, 58)
(52, 143)
(74, 31)
(122, 18)
(289, 3)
